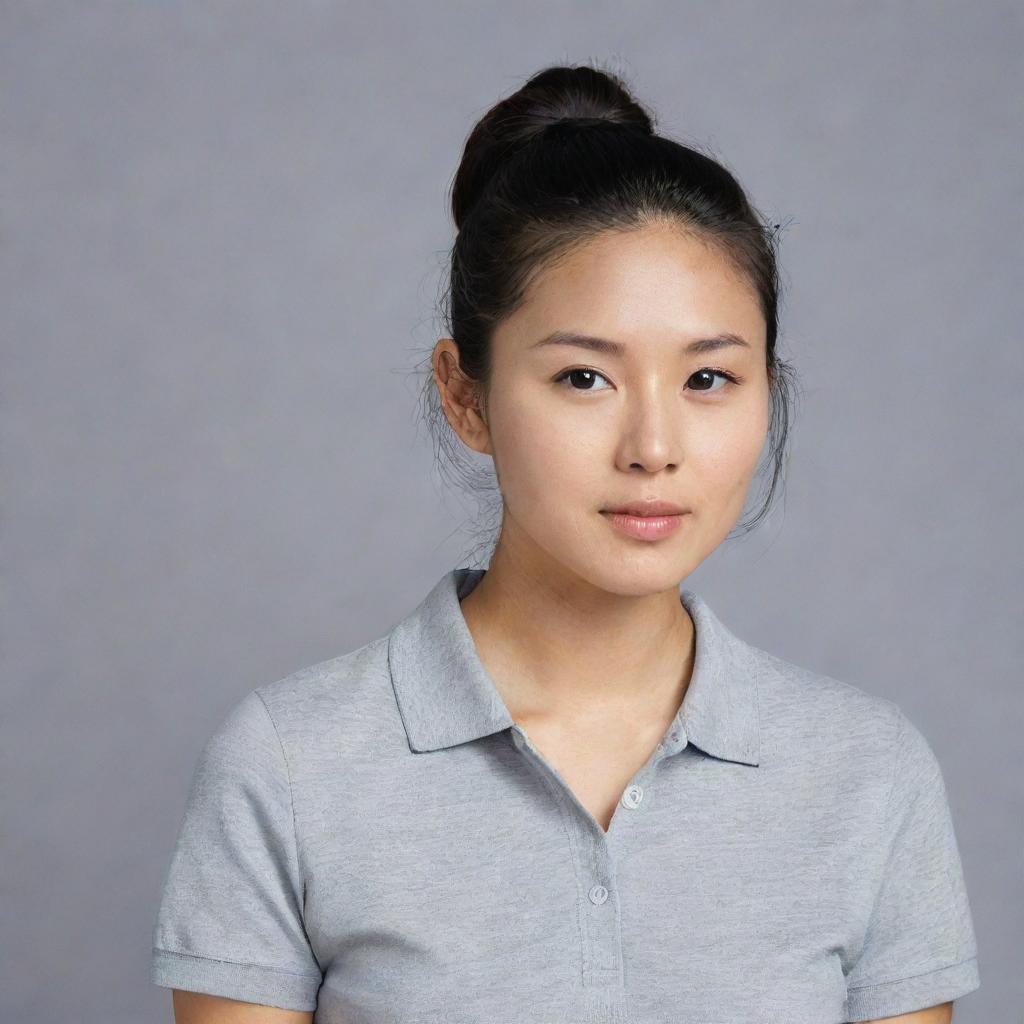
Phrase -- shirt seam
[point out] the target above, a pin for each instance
(885, 815)
(234, 963)
(885, 833)
(895, 766)
(287, 775)
(912, 977)
(295, 828)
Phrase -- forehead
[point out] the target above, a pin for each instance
(654, 281)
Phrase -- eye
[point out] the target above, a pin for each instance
(708, 373)
(584, 374)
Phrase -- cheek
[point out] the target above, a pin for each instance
(533, 452)
(725, 458)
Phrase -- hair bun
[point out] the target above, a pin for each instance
(560, 98)
(584, 95)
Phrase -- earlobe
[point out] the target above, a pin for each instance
(461, 398)
(465, 418)
(475, 433)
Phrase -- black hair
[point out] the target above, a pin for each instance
(568, 155)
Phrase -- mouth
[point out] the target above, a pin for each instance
(645, 527)
(646, 509)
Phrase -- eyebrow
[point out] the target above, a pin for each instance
(615, 348)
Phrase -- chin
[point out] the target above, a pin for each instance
(634, 577)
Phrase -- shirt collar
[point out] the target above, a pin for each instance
(446, 697)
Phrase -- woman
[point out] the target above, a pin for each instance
(561, 789)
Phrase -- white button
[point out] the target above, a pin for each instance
(632, 796)
(598, 894)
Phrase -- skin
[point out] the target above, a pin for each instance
(578, 622)
(196, 1008)
(580, 627)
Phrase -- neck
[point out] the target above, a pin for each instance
(561, 648)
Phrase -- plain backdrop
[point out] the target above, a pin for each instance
(224, 229)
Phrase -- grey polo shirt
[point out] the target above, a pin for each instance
(374, 838)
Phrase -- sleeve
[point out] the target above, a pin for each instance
(919, 949)
(230, 918)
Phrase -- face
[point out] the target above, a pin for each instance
(574, 431)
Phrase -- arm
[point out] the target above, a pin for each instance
(941, 1014)
(199, 1008)
(919, 948)
(231, 921)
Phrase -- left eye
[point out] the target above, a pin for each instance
(586, 376)
(581, 374)
(707, 373)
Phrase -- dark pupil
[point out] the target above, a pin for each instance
(588, 375)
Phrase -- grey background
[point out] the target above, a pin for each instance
(223, 230)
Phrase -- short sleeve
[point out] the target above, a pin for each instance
(230, 918)
(919, 949)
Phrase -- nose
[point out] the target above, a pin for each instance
(652, 432)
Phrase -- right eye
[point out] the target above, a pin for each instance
(582, 374)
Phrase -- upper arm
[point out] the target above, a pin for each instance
(231, 920)
(918, 948)
(941, 1014)
(199, 1008)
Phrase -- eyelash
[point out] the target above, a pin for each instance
(731, 377)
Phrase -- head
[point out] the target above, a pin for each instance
(611, 334)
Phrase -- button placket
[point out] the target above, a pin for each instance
(632, 796)
(602, 953)
(673, 742)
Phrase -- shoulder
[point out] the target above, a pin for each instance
(831, 744)
(328, 686)
(343, 703)
(803, 710)
(269, 727)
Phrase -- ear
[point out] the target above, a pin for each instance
(461, 397)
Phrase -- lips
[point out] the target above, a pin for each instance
(647, 508)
